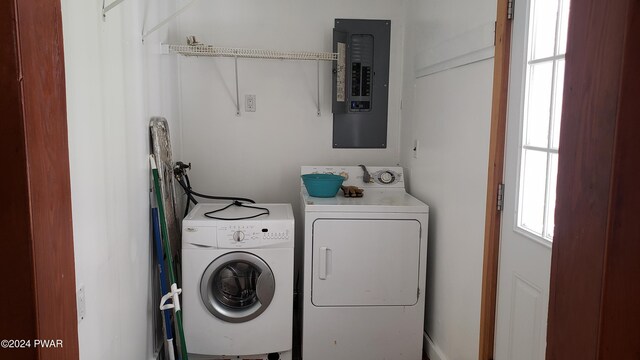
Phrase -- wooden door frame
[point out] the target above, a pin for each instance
(37, 266)
(596, 236)
(495, 178)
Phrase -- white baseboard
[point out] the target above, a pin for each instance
(432, 350)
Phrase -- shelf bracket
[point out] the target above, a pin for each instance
(237, 90)
(107, 8)
(167, 20)
(318, 83)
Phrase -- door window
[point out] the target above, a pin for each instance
(540, 116)
(237, 287)
(235, 284)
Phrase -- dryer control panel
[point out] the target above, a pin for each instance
(388, 177)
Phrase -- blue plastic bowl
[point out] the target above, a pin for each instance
(322, 185)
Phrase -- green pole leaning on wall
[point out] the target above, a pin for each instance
(168, 254)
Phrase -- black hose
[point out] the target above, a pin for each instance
(191, 192)
(265, 211)
(185, 183)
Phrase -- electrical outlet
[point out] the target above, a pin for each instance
(250, 103)
(82, 305)
(416, 143)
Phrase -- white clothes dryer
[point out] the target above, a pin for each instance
(364, 269)
(237, 282)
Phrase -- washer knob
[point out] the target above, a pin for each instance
(386, 177)
(238, 236)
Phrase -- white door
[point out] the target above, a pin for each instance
(533, 127)
(365, 262)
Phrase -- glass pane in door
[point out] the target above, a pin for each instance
(235, 284)
(551, 203)
(543, 31)
(557, 106)
(563, 26)
(532, 191)
(539, 104)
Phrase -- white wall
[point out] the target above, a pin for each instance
(258, 155)
(448, 112)
(112, 89)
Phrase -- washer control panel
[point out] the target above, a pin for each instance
(275, 230)
(252, 235)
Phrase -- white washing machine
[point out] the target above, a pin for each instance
(364, 269)
(237, 282)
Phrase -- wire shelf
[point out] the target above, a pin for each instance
(209, 50)
(197, 49)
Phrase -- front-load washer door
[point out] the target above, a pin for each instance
(365, 262)
(237, 287)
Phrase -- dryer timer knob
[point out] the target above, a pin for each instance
(238, 236)
(387, 177)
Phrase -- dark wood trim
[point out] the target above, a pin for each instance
(15, 246)
(37, 247)
(595, 272)
(495, 177)
(620, 316)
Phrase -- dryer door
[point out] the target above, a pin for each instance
(237, 287)
(360, 262)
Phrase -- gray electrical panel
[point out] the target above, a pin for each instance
(361, 83)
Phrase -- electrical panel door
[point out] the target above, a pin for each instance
(361, 83)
